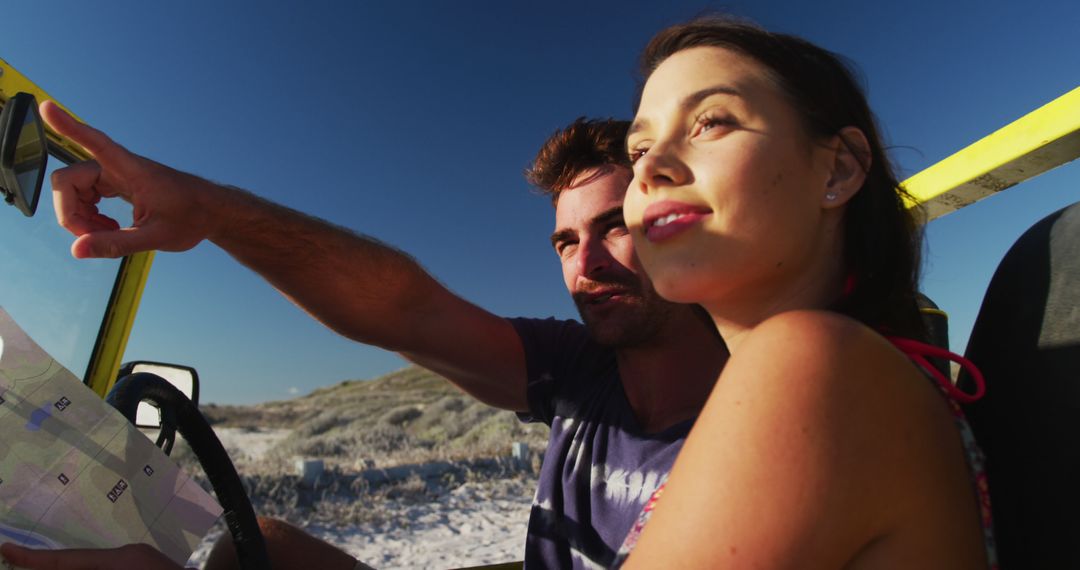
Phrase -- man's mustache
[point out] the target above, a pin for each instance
(594, 286)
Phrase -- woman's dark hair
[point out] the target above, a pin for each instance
(882, 240)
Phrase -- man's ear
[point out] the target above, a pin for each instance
(850, 165)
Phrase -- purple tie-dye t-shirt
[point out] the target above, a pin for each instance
(600, 468)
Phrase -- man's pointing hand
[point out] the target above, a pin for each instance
(168, 213)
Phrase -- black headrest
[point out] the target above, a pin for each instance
(1026, 341)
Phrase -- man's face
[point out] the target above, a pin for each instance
(614, 296)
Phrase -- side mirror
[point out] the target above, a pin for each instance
(23, 153)
(185, 378)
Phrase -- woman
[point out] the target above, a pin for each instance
(761, 191)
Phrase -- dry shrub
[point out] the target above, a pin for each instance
(318, 425)
(325, 446)
(382, 440)
(400, 416)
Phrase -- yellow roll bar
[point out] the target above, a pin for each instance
(119, 318)
(1035, 143)
(134, 269)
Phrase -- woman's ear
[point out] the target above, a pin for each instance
(850, 165)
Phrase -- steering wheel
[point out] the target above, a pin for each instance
(178, 413)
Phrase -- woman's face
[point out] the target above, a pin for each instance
(728, 196)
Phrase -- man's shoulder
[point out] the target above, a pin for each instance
(549, 324)
(554, 335)
(566, 368)
(563, 340)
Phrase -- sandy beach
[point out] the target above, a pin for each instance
(438, 523)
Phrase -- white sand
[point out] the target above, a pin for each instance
(249, 445)
(476, 523)
(472, 525)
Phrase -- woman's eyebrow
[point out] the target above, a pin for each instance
(689, 102)
(697, 97)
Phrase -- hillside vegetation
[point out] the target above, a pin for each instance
(408, 416)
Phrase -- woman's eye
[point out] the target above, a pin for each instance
(710, 122)
(637, 153)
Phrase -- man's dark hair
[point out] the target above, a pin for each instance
(583, 145)
(882, 239)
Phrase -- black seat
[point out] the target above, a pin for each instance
(1026, 341)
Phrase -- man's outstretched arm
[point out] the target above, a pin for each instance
(355, 285)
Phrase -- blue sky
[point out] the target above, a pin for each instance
(412, 122)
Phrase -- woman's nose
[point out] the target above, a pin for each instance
(660, 166)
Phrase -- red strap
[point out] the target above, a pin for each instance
(918, 351)
(849, 285)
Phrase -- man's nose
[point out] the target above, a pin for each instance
(593, 258)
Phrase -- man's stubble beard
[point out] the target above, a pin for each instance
(637, 324)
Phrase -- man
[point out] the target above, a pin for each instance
(620, 393)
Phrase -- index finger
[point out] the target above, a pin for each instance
(97, 143)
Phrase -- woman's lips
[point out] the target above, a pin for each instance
(664, 220)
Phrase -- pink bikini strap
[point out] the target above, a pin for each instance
(918, 351)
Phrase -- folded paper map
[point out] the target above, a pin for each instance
(74, 473)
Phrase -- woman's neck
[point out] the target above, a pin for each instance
(815, 287)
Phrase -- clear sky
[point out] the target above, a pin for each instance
(412, 122)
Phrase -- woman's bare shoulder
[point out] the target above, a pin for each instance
(834, 376)
(817, 330)
(813, 417)
(821, 352)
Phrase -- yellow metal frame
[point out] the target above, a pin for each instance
(130, 278)
(1039, 141)
(12, 82)
(119, 319)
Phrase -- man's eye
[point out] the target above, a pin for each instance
(565, 249)
(617, 230)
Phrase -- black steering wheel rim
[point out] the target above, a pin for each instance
(182, 415)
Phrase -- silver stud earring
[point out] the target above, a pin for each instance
(830, 196)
